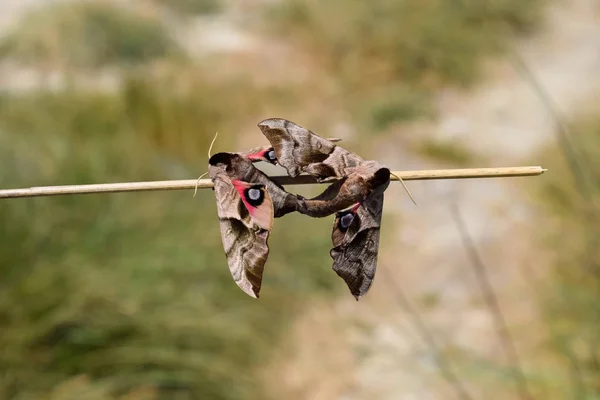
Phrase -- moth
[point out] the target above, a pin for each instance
(267, 153)
(247, 203)
(355, 239)
(299, 150)
(355, 196)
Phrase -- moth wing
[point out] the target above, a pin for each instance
(260, 207)
(244, 240)
(264, 153)
(240, 166)
(355, 251)
(295, 147)
(247, 253)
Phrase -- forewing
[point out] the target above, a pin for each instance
(247, 251)
(355, 251)
(297, 148)
(240, 166)
(244, 241)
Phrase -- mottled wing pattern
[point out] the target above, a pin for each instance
(355, 235)
(240, 166)
(283, 202)
(355, 239)
(244, 241)
(299, 150)
(295, 146)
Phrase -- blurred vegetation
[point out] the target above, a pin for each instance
(427, 43)
(128, 296)
(446, 151)
(423, 45)
(132, 293)
(395, 104)
(571, 302)
(87, 34)
(192, 6)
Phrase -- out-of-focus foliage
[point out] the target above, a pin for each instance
(395, 104)
(572, 228)
(446, 151)
(131, 291)
(87, 34)
(128, 295)
(192, 6)
(179, 111)
(423, 44)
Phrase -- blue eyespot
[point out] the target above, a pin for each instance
(345, 220)
(255, 195)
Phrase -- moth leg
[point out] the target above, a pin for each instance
(327, 179)
(322, 172)
(353, 208)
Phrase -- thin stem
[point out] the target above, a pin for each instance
(282, 180)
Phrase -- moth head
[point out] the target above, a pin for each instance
(223, 159)
(380, 178)
(226, 161)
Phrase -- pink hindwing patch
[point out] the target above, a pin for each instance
(257, 201)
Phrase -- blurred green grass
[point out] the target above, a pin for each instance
(87, 34)
(446, 151)
(132, 290)
(193, 7)
(398, 53)
(571, 299)
(129, 295)
(428, 43)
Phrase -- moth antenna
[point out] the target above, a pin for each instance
(405, 188)
(198, 182)
(212, 143)
(204, 174)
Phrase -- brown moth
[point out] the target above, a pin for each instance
(357, 183)
(267, 153)
(355, 239)
(240, 166)
(247, 202)
(299, 150)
